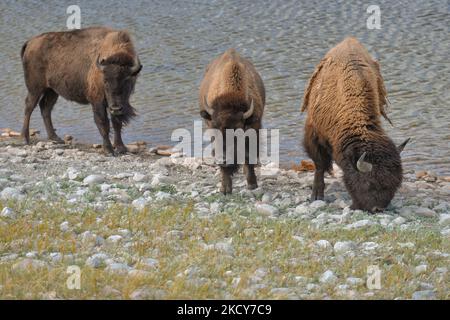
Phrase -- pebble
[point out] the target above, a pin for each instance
(140, 203)
(354, 281)
(420, 269)
(64, 226)
(342, 247)
(29, 264)
(444, 220)
(360, 224)
(8, 213)
(114, 238)
(324, 245)
(266, 209)
(94, 179)
(139, 177)
(11, 194)
(97, 260)
(118, 268)
(424, 295)
(425, 212)
(317, 204)
(399, 220)
(328, 277)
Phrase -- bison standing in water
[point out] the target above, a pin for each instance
(232, 96)
(345, 98)
(94, 65)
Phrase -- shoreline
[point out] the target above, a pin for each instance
(129, 217)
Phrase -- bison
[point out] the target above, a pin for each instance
(95, 65)
(344, 99)
(232, 96)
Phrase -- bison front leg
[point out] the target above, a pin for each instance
(249, 171)
(227, 186)
(118, 143)
(102, 122)
(318, 185)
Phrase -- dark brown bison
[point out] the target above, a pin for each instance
(94, 65)
(232, 96)
(345, 98)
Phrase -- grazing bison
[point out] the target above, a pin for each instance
(345, 98)
(232, 96)
(94, 65)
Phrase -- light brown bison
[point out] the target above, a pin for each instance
(95, 65)
(345, 98)
(232, 96)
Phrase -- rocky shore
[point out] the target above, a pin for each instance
(142, 226)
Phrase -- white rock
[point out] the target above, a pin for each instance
(7, 213)
(369, 246)
(64, 226)
(29, 264)
(55, 257)
(317, 204)
(140, 203)
(360, 224)
(139, 177)
(354, 281)
(161, 195)
(114, 238)
(94, 179)
(408, 245)
(424, 295)
(150, 263)
(266, 209)
(328, 277)
(420, 269)
(425, 212)
(97, 260)
(342, 247)
(399, 220)
(323, 245)
(444, 220)
(302, 209)
(118, 268)
(11, 194)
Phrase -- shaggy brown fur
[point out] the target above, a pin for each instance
(345, 98)
(229, 86)
(95, 65)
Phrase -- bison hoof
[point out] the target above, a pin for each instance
(225, 191)
(252, 186)
(121, 150)
(56, 139)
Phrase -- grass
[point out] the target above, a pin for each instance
(258, 243)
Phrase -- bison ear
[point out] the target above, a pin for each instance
(205, 115)
(251, 120)
(101, 63)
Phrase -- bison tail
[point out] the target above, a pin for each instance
(22, 51)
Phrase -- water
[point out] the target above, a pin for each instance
(284, 39)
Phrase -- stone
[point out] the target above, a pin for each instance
(11, 194)
(114, 238)
(399, 220)
(317, 204)
(8, 213)
(266, 209)
(369, 246)
(444, 220)
(140, 203)
(328, 277)
(424, 295)
(118, 268)
(420, 269)
(97, 260)
(360, 224)
(149, 263)
(139, 177)
(342, 247)
(354, 281)
(28, 264)
(425, 212)
(94, 179)
(323, 245)
(64, 226)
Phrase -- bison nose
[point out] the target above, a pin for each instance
(115, 110)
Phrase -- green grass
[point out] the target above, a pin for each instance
(258, 242)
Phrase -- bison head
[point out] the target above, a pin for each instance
(373, 178)
(227, 114)
(119, 78)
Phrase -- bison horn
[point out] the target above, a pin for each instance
(402, 146)
(362, 165)
(208, 108)
(249, 112)
(100, 64)
(136, 66)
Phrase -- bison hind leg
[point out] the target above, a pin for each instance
(321, 155)
(46, 104)
(31, 101)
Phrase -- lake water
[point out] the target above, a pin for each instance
(284, 39)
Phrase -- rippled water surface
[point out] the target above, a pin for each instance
(284, 39)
